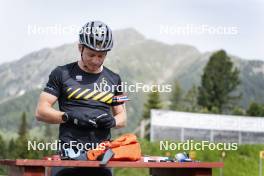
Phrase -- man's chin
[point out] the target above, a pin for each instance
(93, 68)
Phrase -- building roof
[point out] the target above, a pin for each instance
(206, 121)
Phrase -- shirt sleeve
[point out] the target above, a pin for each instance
(118, 91)
(54, 83)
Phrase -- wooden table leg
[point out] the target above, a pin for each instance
(26, 171)
(181, 171)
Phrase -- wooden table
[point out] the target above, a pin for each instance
(27, 167)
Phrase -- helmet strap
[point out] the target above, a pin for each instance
(82, 57)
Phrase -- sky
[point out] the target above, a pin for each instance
(236, 26)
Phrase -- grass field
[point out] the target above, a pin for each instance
(242, 162)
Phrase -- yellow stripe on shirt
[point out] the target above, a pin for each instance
(82, 93)
(110, 95)
(73, 93)
(90, 94)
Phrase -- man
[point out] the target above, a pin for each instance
(86, 114)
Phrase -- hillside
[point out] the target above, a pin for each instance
(134, 57)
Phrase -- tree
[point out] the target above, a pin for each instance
(238, 111)
(219, 80)
(176, 98)
(12, 149)
(153, 102)
(256, 110)
(190, 100)
(23, 126)
(21, 142)
(2, 148)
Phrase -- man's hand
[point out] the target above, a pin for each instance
(83, 120)
(80, 119)
(105, 121)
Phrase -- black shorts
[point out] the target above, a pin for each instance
(80, 171)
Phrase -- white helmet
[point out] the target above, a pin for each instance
(97, 36)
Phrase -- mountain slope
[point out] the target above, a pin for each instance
(135, 58)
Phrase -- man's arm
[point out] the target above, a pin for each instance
(45, 111)
(120, 115)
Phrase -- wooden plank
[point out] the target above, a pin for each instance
(122, 164)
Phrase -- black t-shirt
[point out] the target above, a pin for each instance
(85, 92)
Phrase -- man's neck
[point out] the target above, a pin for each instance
(82, 66)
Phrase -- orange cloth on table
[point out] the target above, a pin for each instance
(125, 148)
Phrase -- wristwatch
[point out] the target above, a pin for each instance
(65, 117)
